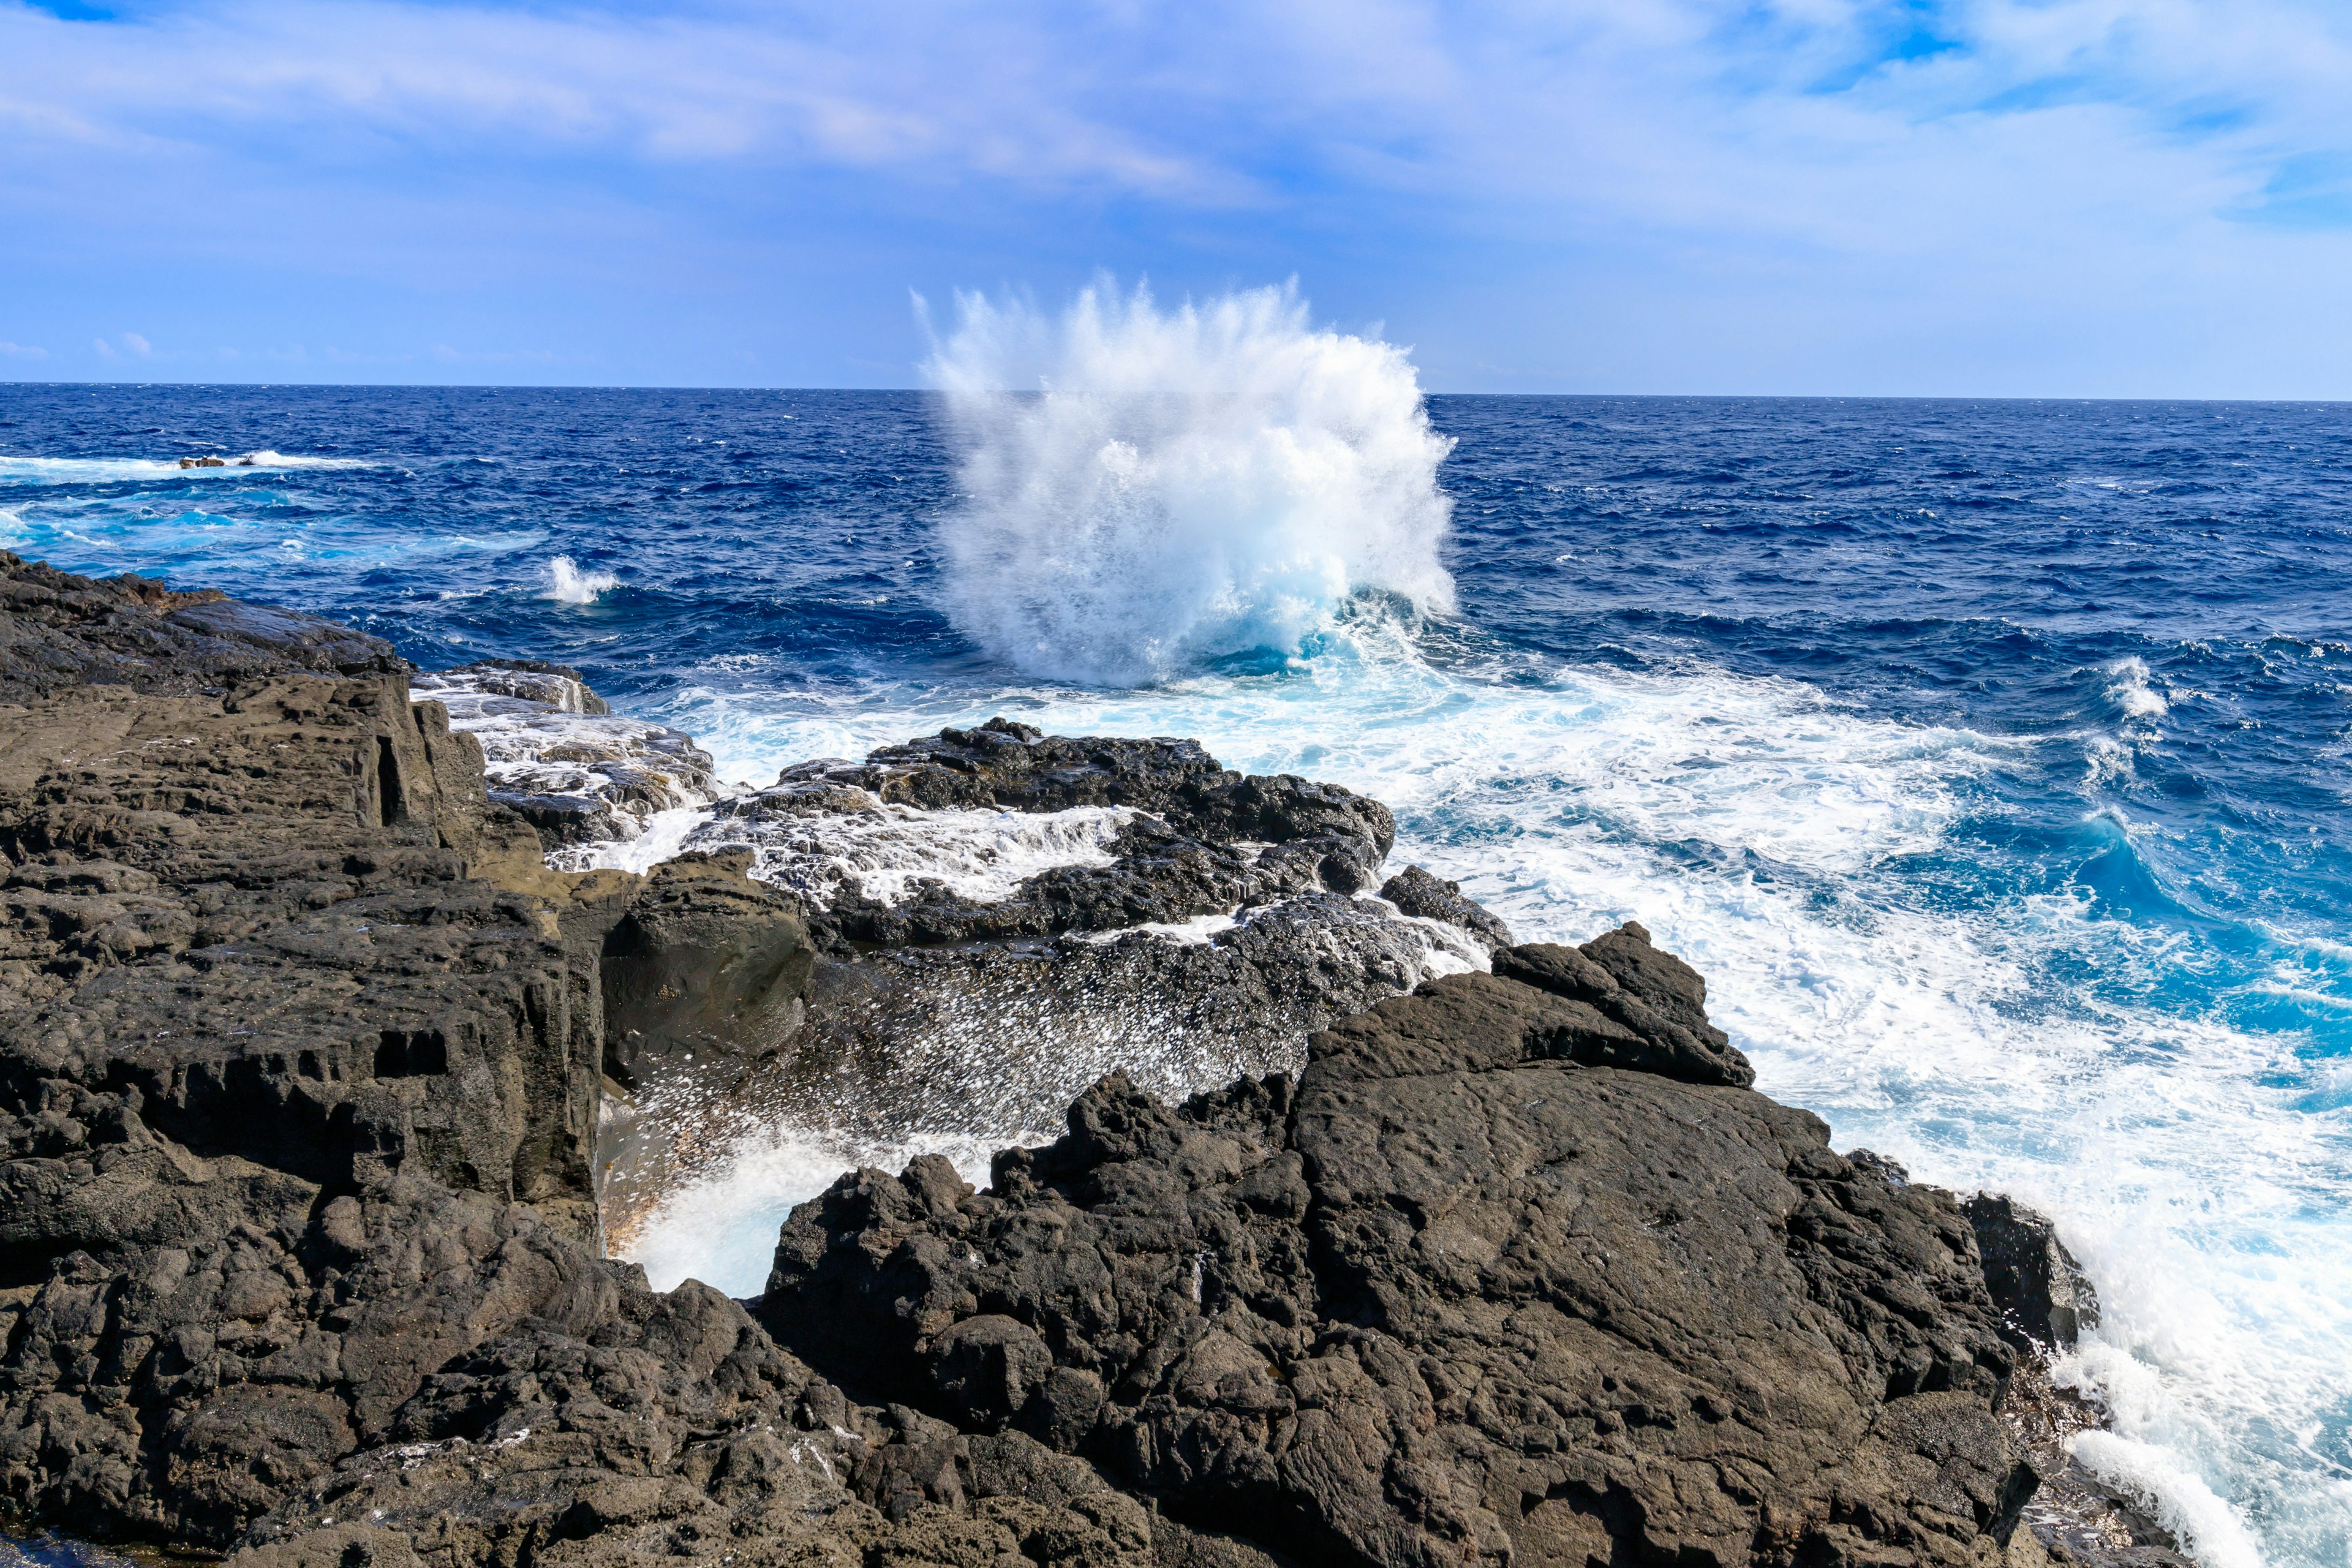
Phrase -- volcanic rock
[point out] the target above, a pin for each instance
(2044, 1298)
(1469, 1291)
(555, 753)
(300, 1049)
(304, 1051)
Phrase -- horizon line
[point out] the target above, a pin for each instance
(489, 386)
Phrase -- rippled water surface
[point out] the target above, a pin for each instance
(1994, 761)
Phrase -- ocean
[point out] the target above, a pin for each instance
(1993, 760)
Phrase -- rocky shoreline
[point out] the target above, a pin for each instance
(1369, 1235)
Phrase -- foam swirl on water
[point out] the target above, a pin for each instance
(1180, 486)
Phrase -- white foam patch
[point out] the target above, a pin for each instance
(266, 459)
(2210, 1531)
(662, 836)
(567, 585)
(115, 470)
(646, 775)
(1198, 931)
(888, 851)
(2130, 688)
(720, 1228)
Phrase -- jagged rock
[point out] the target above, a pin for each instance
(556, 685)
(1417, 893)
(300, 1054)
(2044, 1296)
(1215, 840)
(59, 631)
(1456, 1296)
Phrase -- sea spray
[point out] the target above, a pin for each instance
(1146, 489)
(567, 585)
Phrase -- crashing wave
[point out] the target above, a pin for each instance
(1149, 490)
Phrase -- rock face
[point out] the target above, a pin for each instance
(1504, 1277)
(303, 1051)
(2041, 1294)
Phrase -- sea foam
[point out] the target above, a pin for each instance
(1148, 488)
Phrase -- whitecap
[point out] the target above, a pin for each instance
(2130, 688)
(567, 585)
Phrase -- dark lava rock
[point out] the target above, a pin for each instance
(1215, 839)
(2044, 1296)
(555, 753)
(1460, 1294)
(1417, 893)
(58, 631)
(302, 1056)
(301, 1046)
(559, 686)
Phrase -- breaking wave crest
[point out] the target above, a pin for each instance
(1146, 490)
(567, 585)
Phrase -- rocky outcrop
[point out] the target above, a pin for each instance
(301, 1049)
(1485, 1285)
(2045, 1299)
(59, 631)
(304, 1055)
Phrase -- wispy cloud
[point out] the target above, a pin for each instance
(1668, 108)
(2002, 160)
(23, 351)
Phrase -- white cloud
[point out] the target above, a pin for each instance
(1797, 116)
(2024, 164)
(105, 350)
(137, 344)
(23, 351)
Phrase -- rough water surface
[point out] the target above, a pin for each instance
(1990, 759)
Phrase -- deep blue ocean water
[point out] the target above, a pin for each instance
(1994, 761)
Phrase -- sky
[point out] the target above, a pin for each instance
(2136, 198)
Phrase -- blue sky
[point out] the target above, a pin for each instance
(1989, 197)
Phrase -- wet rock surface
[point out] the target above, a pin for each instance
(300, 1054)
(1192, 837)
(303, 1051)
(1000, 917)
(2045, 1299)
(555, 753)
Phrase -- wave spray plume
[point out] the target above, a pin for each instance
(1180, 486)
(567, 585)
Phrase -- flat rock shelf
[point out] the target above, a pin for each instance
(1331, 1224)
